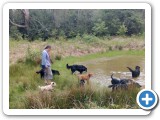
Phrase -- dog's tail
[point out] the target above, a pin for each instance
(112, 76)
(130, 69)
(110, 86)
(68, 67)
(37, 72)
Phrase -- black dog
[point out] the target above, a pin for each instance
(79, 68)
(114, 83)
(136, 72)
(122, 84)
(129, 81)
(114, 80)
(118, 86)
(41, 72)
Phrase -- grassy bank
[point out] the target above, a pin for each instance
(24, 84)
(78, 46)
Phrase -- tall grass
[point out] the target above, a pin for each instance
(78, 46)
(82, 98)
(24, 82)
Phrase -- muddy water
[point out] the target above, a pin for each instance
(104, 67)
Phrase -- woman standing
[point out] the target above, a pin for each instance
(46, 64)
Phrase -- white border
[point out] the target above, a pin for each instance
(8, 6)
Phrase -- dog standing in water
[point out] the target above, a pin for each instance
(136, 72)
(84, 77)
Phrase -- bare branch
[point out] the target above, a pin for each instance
(23, 26)
(41, 24)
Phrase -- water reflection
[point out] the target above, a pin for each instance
(104, 67)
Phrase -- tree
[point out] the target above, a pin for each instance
(99, 28)
(26, 18)
(43, 24)
(122, 30)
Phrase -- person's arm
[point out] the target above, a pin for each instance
(44, 59)
(51, 61)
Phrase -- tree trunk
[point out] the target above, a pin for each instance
(26, 19)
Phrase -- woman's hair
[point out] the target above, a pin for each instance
(48, 46)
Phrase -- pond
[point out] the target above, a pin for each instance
(102, 68)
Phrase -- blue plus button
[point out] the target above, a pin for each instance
(147, 99)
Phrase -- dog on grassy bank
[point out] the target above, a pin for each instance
(79, 68)
(49, 87)
(42, 72)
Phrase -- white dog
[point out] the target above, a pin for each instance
(47, 87)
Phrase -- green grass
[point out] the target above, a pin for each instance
(72, 59)
(24, 82)
(88, 98)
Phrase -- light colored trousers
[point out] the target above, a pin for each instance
(48, 74)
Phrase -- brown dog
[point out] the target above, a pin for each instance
(85, 77)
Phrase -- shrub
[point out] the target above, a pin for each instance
(20, 60)
(122, 30)
(89, 38)
(119, 47)
(32, 56)
(58, 57)
(110, 48)
(100, 28)
(14, 33)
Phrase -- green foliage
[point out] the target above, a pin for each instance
(122, 30)
(45, 24)
(58, 57)
(24, 92)
(135, 26)
(32, 56)
(14, 33)
(119, 47)
(100, 28)
(132, 19)
(110, 48)
(89, 38)
(54, 33)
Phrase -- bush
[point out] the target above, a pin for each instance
(58, 57)
(32, 56)
(89, 38)
(14, 33)
(100, 28)
(122, 30)
(110, 48)
(119, 47)
(20, 60)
